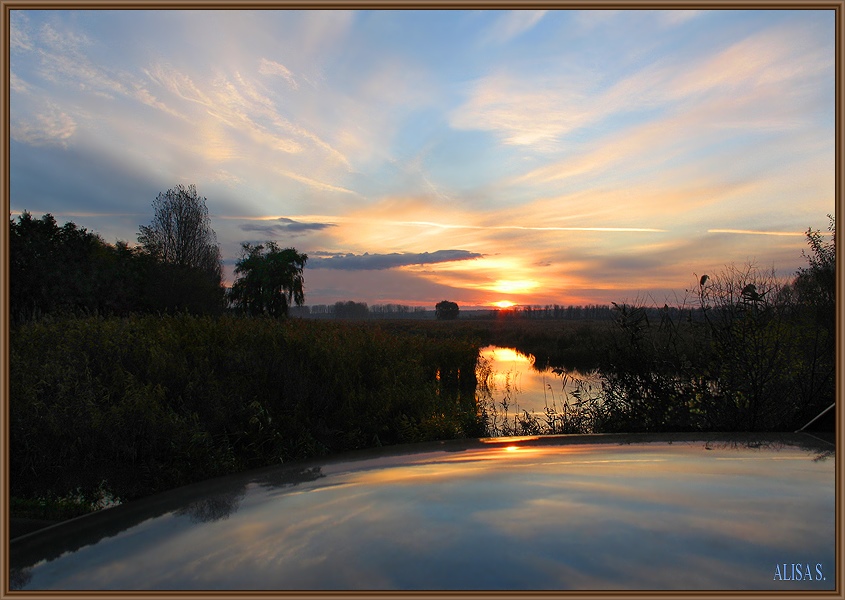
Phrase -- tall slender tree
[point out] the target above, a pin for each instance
(184, 245)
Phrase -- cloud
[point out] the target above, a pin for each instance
(51, 127)
(512, 24)
(271, 67)
(678, 17)
(285, 226)
(19, 31)
(378, 262)
(590, 19)
(527, 110)
(768, 80)
(755, 232)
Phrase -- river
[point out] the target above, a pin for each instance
(510, 385)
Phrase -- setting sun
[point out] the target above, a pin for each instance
(504, 304)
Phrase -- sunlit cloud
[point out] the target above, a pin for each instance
(51, 127)
(320, 185)
(751, 232)
(271, 67)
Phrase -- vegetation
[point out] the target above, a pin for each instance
(139, 404)
(68, 270)
(184, 247)
(269, 280)
(351, 310)
(446, 310)
(180, 233)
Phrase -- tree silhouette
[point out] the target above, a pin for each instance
(180, 233)
(446, 310)
(269, 279)
(67, 270)
(180, 238)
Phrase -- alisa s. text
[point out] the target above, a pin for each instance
(798, 572)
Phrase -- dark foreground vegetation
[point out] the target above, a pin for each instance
(139, 404)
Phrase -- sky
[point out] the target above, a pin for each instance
(530, 157)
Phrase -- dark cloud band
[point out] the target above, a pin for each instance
(378, 262)
(284, 225)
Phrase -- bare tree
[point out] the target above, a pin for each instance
(187, 273)
(181, 234)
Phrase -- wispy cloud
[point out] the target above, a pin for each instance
(19, 31)
(673, 18)
(527, 111)
(271, 67)
(752, 232)
(512, 24)
(758, 82)
(51, 126)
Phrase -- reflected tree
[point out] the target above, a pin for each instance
(213, 508)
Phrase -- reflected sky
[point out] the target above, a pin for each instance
(587, 516)
(513, 378)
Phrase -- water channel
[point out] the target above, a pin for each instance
(510, 385)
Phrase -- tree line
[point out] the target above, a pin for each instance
(176, 267)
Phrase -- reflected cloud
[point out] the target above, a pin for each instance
(553, 516)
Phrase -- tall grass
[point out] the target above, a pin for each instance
(139, 404)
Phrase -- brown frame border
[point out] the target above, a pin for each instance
(838, 6)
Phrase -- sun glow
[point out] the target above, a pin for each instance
(504, 304)
(509, 286)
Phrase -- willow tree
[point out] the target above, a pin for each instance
(269, 279)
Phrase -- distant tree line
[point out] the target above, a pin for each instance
(591, 312)
(359, 310)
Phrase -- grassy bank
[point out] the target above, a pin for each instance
(140, 404)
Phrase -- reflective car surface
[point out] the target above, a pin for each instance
(558, 512)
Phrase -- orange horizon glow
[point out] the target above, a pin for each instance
(504, 304)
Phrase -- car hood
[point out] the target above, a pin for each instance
(558, 512)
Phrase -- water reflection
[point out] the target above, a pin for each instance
(520, 398)
(205, 502)
(546, 516)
